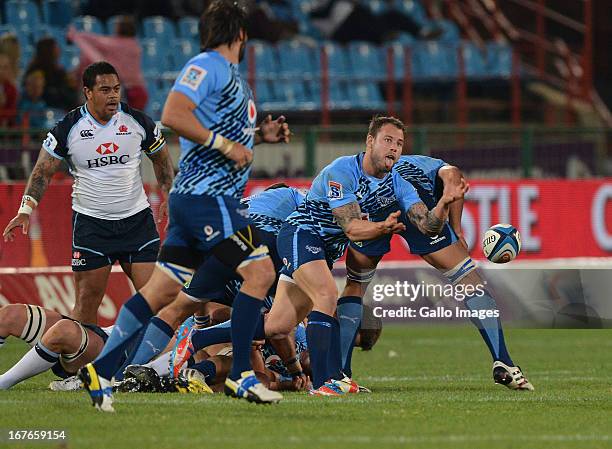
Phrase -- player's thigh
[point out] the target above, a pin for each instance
(139, 273)
(316, 280)
(27, 321)
(291, 305)
(161, 288)
(91, 284)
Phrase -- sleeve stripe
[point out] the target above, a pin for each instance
(56, 156)
(158, 145)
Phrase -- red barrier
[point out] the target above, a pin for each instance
(556, 218)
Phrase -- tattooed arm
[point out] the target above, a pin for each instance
(451, 175)
(164, 173)
(356, 229)
(45, 167)
(431, 222)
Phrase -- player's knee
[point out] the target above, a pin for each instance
(10, 317)
(61, 336)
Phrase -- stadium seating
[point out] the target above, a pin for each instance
(157, 27)
(337, 60)
(21, 13)
(474, 61)
(266, 62)
(70, 57)
(367, 61)
(49, 31)
(182, 50)
(111, 24)
(188, 28)
(499, 60)
(57, 13)
(434, 61)
(297, 59)
(154, 58)
(88, 24)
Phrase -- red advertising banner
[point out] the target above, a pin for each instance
(556, 219)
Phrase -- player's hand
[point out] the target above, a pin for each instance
(240, 154)
(391, 225)
(22, 220)
(454, 192)
(299, 382)
(462, 240)
(274, 131)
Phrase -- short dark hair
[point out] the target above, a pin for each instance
(378, 121)
(221, 24)
(95, 69)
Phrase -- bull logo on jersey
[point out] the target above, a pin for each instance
(107, 148)
(335, 191)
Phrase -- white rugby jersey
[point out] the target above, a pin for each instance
(105, 159)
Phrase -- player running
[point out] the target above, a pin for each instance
(212, 110)
(447, 252)
(317, 234)
(102, 142)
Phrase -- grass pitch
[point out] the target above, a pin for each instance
(432, 389)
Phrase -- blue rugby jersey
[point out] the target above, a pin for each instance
(224, 104)
(421, 172)
(343, 182)
(269, 209)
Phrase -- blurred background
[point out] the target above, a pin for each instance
(516, 93)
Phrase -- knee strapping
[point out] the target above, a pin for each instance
(35, 324)
(66, 358)
(461, 270)
(361, 276)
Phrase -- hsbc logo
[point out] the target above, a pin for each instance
(107, 148)
(108, 160)
(77, 261)
(87, 134)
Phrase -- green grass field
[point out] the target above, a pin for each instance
(432, 389)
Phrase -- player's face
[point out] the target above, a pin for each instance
(105, 96)
(386, 147)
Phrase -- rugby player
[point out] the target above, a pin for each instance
(317, 234)
(212, 109)
(447, 252)
(102, 143)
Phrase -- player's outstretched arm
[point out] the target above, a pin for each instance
(273, 131)
(45, 167)
(451, 175)
(356, 229)
(431, 222)
(178, 115)
(164, 173)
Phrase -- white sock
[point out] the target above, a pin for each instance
(35, 361)
(161, 365)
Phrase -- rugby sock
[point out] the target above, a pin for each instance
(220, 333)
(349, 312)
(201, 321)
(334, 356)
(245, 316)
(318, 336)
(490, 328)
(156, 338)
(35, 361)
(161, 364)
(133, 316)
(207, 368)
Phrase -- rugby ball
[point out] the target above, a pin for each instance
(501, 243)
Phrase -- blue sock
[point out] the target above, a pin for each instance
(130, 352)
(201, 321)
(220, 333)
(246, 312)
(349, 313)
(318, 336)
(207, 368)
(155, 339)
(490, 328)
(134, 314)
(334, 356)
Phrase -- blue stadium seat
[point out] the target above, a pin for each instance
(376, 6)
(414, 9)
(111, 24)
(158, 27)
(450, 32)
(188, 28)
(157, 99)
(48, 31)
(88, 24)
(22, 12)
(434, 61)
(154, 57)
(57, 13)
(70, 57)
(297, 59)
(365, 95)
(337, 60)
(499, 60)
(293, 93)
(266, 64)
(474, 62)
(338, 94)
(367, 61)
(27, 51)
(182, 51)
(23, 33)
